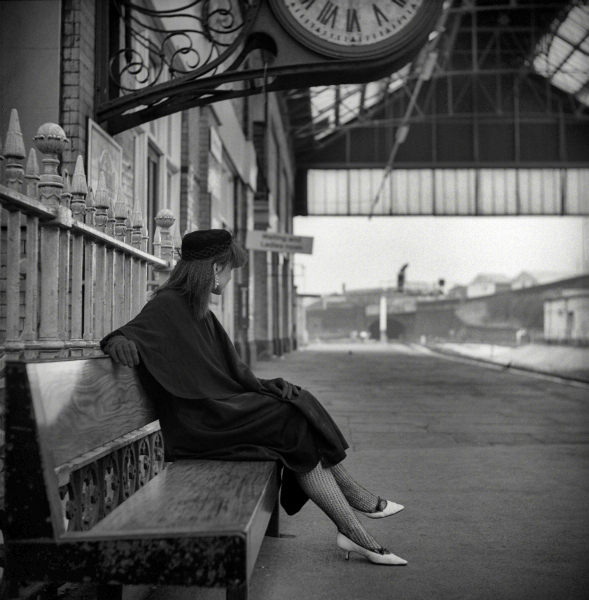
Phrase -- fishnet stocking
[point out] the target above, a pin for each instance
(320, 485)
(355, 494)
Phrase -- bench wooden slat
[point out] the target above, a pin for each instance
(192, 498)
(84, 404)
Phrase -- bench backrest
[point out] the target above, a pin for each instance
(68, 421)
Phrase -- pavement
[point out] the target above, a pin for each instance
(492, 467)
(565, 361)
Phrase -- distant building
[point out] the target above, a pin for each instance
(566, 318)
(338, 316)
(531, 278)
(486, 284)
(333, 317)
(458, 291)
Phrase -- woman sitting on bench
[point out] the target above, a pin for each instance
(211, 405)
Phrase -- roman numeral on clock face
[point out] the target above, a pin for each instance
(352, 23)
(357, 29)
(380, 16)
(328, 13)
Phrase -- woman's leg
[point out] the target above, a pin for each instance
(358, 497)
(320, 485)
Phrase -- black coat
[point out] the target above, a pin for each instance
(211, 405)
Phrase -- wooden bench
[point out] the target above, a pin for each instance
(89, 497)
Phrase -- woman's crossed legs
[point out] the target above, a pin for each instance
(321, 486)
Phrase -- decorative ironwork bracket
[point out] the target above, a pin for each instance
(130, 86)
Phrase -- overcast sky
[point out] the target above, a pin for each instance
(365, 253)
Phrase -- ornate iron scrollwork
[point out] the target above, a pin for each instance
(157, 453)
(143, 462)
(90, 496)
(69, 506)
(128, 471)
(163, 61)
(195, 38)
(111, 483)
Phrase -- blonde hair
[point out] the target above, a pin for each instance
(195, 278)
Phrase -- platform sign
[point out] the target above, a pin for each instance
(278, 242)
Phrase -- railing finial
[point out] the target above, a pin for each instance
(120, 214)
(89, 217)
(111, 219)
(51, 142)
(144, 238)
(14, 152)
(165, 220)
(137, 224)
(66, 192)
(129, 226)
(157, 242)
(102, 203)
(79, 190)
(32, 174)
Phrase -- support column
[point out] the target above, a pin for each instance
(383, 318)
(204, 197)
(270, 308)
(278, 264)
(288, 304)
(261, 306)
(241, 284)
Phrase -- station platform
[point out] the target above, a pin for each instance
(570, 362)
(492, 466)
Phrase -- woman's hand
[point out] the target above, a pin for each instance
(281, 388)
(122, 351)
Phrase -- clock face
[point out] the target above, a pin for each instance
(353, 28)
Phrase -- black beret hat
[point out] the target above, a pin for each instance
(200, 245)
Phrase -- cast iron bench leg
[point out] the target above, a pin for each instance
(238, 593)
(273, 529)
(109, 592)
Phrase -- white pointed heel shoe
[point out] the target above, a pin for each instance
(391, 508)
(388, 558)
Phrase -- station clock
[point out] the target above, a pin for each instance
(361, 29)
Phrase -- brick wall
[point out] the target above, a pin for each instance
(189, 181)
(204, 198)
(77, 75)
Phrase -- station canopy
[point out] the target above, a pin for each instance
(492, 117)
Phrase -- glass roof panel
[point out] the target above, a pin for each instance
(562, 56)
(565, 82)
(579, 15)
(573, 29)
(331, 109)
(583, 96)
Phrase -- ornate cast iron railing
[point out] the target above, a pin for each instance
(152, 57)
(152, 62)
(192, 40)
